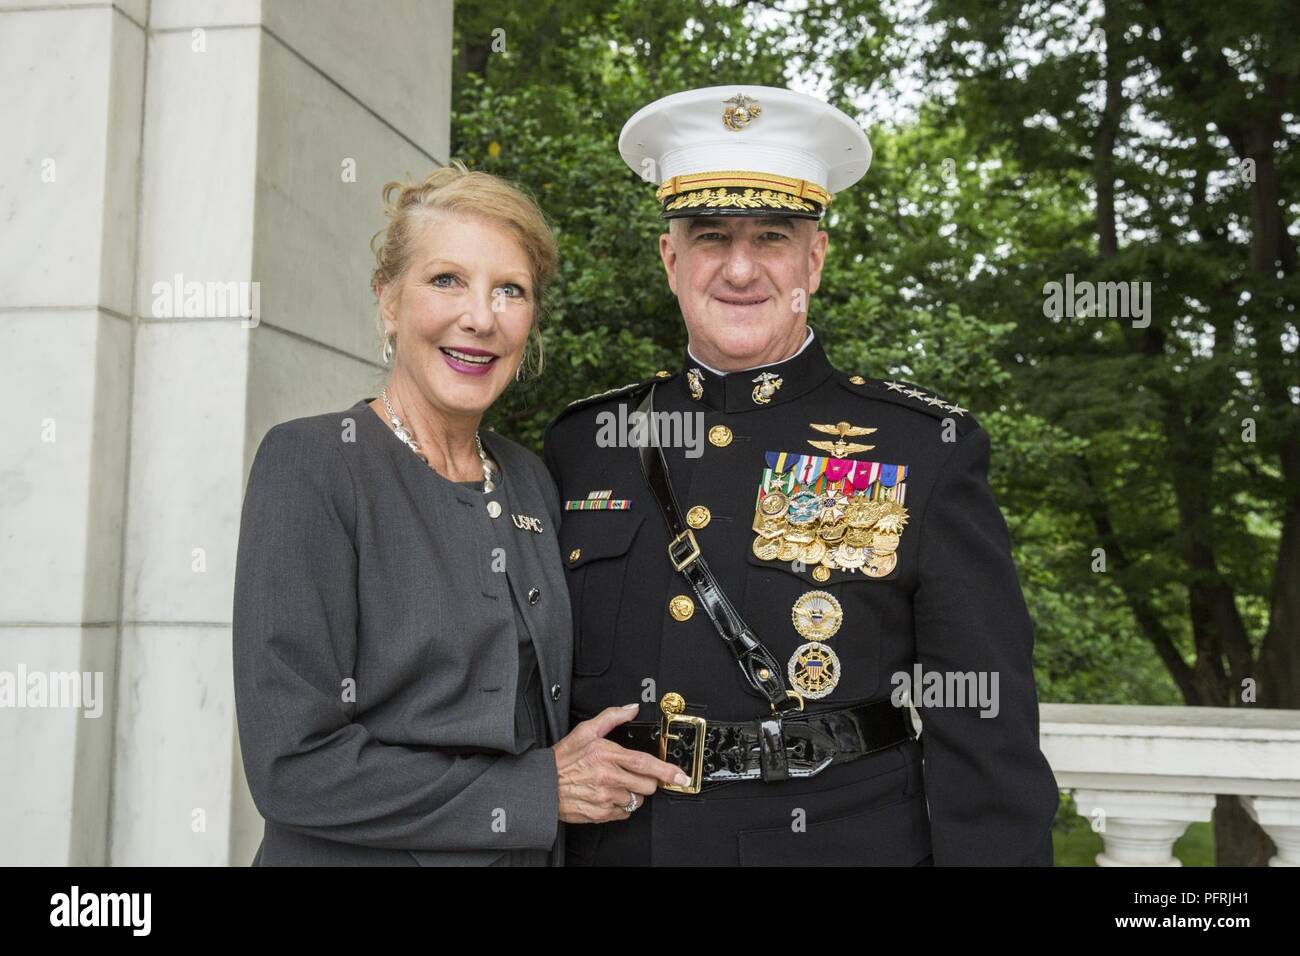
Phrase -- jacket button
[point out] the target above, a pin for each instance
(534, 595)
(494, 509)
(720, 435)
(698, 517)
(575, 554)
(555, 692)
(681, 608)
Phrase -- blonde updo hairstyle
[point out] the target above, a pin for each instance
(456, 191)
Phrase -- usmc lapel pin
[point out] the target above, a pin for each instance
(527, 523)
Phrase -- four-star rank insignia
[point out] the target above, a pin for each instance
(831, 514)
(840, 448)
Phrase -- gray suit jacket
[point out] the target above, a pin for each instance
(376, 656)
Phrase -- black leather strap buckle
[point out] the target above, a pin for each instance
(689, 553)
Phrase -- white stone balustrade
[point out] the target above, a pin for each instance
(1142, 774)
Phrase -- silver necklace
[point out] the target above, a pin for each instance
(404, 433)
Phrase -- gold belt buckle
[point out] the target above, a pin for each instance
(672, 705)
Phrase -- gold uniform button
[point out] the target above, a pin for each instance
(720, 435)
(575, 554)
(857, 380)
(681, 608)
(698, 517)
(662, 374)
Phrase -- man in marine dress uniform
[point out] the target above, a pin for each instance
(759, 590)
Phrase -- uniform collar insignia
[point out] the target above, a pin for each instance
(695, 382)
(756, 388)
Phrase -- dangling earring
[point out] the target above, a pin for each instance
(388, 349)
(534, 334)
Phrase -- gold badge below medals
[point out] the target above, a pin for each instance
(814, 669)
(817, 615)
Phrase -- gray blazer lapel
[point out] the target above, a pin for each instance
(536, 577)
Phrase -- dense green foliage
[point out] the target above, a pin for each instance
(1015, 143)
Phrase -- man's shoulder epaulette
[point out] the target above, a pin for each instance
(910, 395)
(622, 390)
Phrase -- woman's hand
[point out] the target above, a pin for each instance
(597, 776)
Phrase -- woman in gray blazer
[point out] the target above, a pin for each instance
(402, 631)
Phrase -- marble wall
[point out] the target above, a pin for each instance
(223, 141)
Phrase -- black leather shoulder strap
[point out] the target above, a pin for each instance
(762, 673)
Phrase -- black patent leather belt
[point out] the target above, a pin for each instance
(739, 751)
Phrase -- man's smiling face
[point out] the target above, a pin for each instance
(743, 284)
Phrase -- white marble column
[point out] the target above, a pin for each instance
(244, 141)
(70, 123)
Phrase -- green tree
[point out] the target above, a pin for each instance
(1115, 141)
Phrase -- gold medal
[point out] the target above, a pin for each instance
(833, 502)
(789, 551)
(884, 543)
(800, 536)
(880, 564)
(812, 554)
(832, 533)
(858, 538)
(891, 517)
(850, 558)
(814, 669)
(766, 549)
(860, 512)
(774, 504)
(817, 615)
